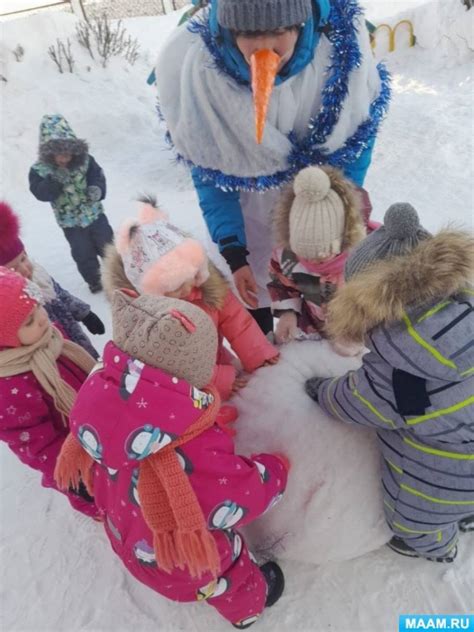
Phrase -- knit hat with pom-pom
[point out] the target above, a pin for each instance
(158, 257)
(400, 233)
(10, 243)
(317, 216)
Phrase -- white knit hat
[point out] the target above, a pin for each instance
(159, 257)
(317, 216)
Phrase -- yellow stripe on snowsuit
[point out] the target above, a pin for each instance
(422, 342)
(329, 397)
(443, 453)
(438, 501)
(415, 492)
(468, 372)
(395, 467)
(400, 527)
(372, 408)
(441, 412)
(434, 310)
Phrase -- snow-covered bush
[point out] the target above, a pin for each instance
(62, 56)
(104, 40)
(18, 52)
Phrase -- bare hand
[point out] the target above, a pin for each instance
(239, 383)
(246, 286)
(287, 328)
(271, 361)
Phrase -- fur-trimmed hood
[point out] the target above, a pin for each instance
(214, 290)
(438, 268)
(57, 137)
(354, 229)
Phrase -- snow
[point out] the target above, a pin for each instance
(58, 572)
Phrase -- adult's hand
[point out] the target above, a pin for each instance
(246, 286)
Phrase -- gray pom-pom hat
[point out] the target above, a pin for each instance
(400, 233)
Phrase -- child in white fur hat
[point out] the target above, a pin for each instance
(316, 223)
(154, 257)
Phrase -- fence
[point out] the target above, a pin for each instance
(115, 9)
(76, 7)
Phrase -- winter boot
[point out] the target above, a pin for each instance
(275, 584)
(401, 547)
(466, 524)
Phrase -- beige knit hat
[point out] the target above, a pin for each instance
(166, 333)
(317, 216)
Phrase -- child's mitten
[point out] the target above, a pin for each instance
(94, 324)
(94, 193)
(62, 175)
(312, 387)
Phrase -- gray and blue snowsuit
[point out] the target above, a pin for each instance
(416, 386)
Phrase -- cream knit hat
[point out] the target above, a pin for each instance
(317, 216)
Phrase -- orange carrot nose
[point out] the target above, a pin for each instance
(264, 65)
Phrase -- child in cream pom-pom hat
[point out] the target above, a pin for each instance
(317, 222)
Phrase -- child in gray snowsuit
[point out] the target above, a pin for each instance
(68, 177)
(408, 298)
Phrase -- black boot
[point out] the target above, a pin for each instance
(82, 492)
(275, 580)
(466, 524)
(401, 547)
(264, 318)
(95, 287)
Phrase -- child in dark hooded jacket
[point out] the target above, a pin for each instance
(68, 177)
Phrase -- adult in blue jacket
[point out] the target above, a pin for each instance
(328, 100)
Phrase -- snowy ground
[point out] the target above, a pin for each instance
(57, 572)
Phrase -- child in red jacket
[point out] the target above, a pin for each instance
(154, 257)
(40, 374)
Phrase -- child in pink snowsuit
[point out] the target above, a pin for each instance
(149, 445)
(40, 373)
(319, 219)
(154, 257)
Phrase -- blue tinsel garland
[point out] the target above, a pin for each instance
(345, 57)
